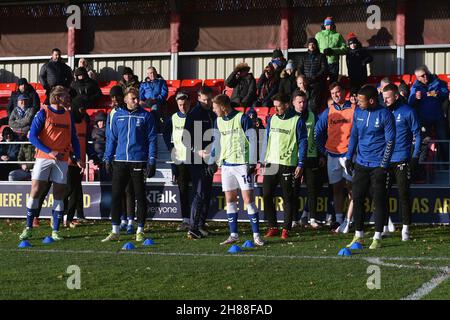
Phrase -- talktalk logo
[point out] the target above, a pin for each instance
(162, 197)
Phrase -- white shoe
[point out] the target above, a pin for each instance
(258, 240)
(391, 226)
(405, 236)
(295, 224)
(230, 240)
(344, 227)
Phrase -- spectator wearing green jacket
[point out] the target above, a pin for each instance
(331, 44)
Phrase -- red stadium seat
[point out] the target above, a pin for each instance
(5, 92)
(263, 114)
(173, 83)
(40, 91)
(191, 83)
(413, 78)
(105, 87)
(217, 85)
(240, 109)
(446, 78)
(272, 111)
(3, 113)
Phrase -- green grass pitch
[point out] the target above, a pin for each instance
(306, 266)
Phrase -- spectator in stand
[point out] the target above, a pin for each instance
(153, 90)
(129, 80)
(268, 85)
(22, 116)
(85, 64)
(427, 96)
(383, 83)
(26, 153)
(287, 79)
(85, 87)
(244, 86)
(55, 73)
(8, 152)
(153, 93)
(278, 61)
(24, 88)
(331, 44)
(357, 60)
(303, 85)
(98, 135)
(313, 66)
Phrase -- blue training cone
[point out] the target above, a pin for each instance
(234, 249)
(48, 240)
(128, 246)
(356, 246)
(25, 244)
(248, 244)
(148, 242)
(345, 252)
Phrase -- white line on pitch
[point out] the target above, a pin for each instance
(427, 287)
(243, 255)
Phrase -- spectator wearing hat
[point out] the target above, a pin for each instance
(98, 135)
(22, 116)
(278, 61)
(23, 87)
(55, 73)
(8, 152)
(129, 79)
(244, 86)
(313, 66)
(287, 79)
(332, 44)
(85, 87)
(357, 60)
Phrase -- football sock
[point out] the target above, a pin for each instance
(253, 216)
(232, 217)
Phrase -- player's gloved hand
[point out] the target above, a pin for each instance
(151, 170)
(109, 167)
(212, 169)
(349, 166)
(251, 169)
(328, 52)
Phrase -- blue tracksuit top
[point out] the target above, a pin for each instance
(373, 134)
(156, 89)
(429, 109)
(133, 137)
(407, 130)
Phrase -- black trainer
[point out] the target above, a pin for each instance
(194, 234)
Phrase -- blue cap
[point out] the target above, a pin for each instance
(328, 22)
(23, 97)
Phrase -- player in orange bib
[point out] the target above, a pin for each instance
(53, 134)
(332, 137)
